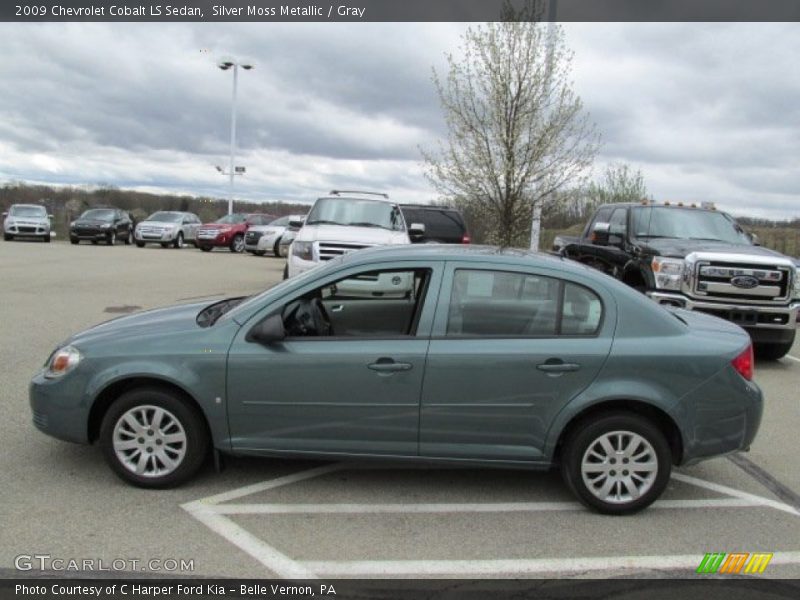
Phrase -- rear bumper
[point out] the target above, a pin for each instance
(750, 317)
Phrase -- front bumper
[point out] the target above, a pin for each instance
(60, 408)
(219, 239)
(147, 236)
(27, 230)
(745, 315)
(89, 234)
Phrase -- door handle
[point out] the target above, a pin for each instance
(388, 365)
(337, 308)
(556, 365)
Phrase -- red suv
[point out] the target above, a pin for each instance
(229, 231)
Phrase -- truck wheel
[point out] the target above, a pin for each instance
(616, 463)
(773, 351)
(152, 438)
(237, 243)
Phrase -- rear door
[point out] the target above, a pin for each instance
(509, 349)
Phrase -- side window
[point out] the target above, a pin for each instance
(582, 311)
(370, 304)
(618, 224)
(497, 303)
(603, 216)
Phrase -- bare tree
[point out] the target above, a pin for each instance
(516, 129)
(620, 184)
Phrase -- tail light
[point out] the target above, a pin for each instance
(465, 239)
(744, 363)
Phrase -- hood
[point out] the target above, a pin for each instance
(681, 248)
(165, 224)
(374, 236)
(163, 321)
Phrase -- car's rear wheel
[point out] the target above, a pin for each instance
(112, 238)
(617, 463)
(129, 237)
(152, 438)
(178, 243)
(237, 243)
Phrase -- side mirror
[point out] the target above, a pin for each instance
(267, 331)
(600, 234)
(416, 229)
(297, 224)
(50, 216)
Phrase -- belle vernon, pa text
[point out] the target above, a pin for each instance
(210, 589)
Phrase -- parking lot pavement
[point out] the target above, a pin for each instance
(261, 518)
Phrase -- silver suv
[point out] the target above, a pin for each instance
(26, 220)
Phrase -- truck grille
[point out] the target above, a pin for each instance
(329, 250)
(748, 283)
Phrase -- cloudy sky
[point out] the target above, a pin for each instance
(706, 111)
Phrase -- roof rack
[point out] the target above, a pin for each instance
(340, 192)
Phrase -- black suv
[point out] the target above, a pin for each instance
(443, 225)
(102, 225)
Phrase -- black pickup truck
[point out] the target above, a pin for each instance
(696, 258)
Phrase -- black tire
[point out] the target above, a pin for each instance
(140, 244)
(237, 243)
(7, 237)
(286, 271)
(258, 252)
(165, 244)
(196, 433)
(74, 241)
(129, 237)
(773, 351)
(178, 243)
(112, 238)
(205, 248)
(94, 242)
(276, 249)
(46, 239)
(587, 433)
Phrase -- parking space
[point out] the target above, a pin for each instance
(260, 518)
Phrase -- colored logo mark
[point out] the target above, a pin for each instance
(734, 563)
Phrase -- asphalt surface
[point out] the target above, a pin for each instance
(261, 518)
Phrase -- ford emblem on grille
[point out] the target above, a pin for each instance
(745, 281)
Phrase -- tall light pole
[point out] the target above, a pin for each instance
(536, 220)
(225, 64)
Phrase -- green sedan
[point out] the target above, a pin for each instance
(439, 354)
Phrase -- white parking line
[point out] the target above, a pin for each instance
(211, 512)
(794, 358)
(421, 508)
(474, 568)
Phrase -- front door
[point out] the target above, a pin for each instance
(347, 378)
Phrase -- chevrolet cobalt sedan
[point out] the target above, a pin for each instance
(488, 358)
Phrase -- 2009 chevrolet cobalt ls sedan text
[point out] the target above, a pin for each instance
(460, 355)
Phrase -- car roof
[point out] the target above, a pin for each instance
(472, 252)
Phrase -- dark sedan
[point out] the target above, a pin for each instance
(102, 225)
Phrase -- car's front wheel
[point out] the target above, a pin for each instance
(140, 244)
(112, 238)
(178, 243)
(152, 438)
(617, 463)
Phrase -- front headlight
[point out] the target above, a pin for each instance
(303, 250)
(106, 226)
(668, 272)
(62, 362)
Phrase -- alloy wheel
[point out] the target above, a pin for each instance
(619, 467)
(149, 441)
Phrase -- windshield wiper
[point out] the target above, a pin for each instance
(365, 224)
(659, 237)
(323, 222)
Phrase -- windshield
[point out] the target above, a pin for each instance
(356, 212)
(27, 211)
(282, 222)
(165, 217)
(100, 214)
(686, 224)
(232, 219)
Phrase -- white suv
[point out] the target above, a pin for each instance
(346, 221)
